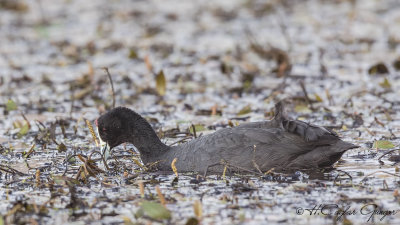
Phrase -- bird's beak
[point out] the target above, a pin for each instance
(105, 148)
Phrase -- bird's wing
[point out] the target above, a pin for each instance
(248, 147)
(309, 132)
(314, 134)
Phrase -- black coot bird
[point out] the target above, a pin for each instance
(280, 144)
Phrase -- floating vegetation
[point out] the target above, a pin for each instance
(193, 67)
(161, 83)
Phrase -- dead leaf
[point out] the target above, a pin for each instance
(197, 207)
(379, 68)
(174, 167)
(148, 63)
(161, 83)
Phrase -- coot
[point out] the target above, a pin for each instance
(280, 144)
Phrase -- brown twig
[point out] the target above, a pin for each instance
(365, 177)
(8, 169)
(224, 163)
(344, 173)
(112, 85)
(72, 90)
(30, 151)
(66, 163)
(179, 141)
(303, 88)
(194, 131)
(389, 152)
(26, 120)
(379, 122)
(102, 158)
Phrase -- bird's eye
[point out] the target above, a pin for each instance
(104, 129)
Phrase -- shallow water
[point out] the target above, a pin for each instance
(51, 59)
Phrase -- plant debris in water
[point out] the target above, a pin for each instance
(190, 68)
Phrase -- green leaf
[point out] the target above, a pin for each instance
(133, 54)
(359, 173)
(244, 110)
(24, 130)
(198, 128)
(11, 105)
(385, 84)
(72, 160)
(383, 144)
(318, 98)
(153, 210)
(42, 31)
(192, 221)
(1, 220)
(61, 147)
(247, 85)
(161, 83)
(302, 109)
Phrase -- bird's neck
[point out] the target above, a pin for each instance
(145, 139)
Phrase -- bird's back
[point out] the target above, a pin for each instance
(280, 144)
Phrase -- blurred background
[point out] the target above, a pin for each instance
(222, 48)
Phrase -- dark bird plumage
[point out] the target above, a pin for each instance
(281, 143)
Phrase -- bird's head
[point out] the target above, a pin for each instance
(114, 127)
